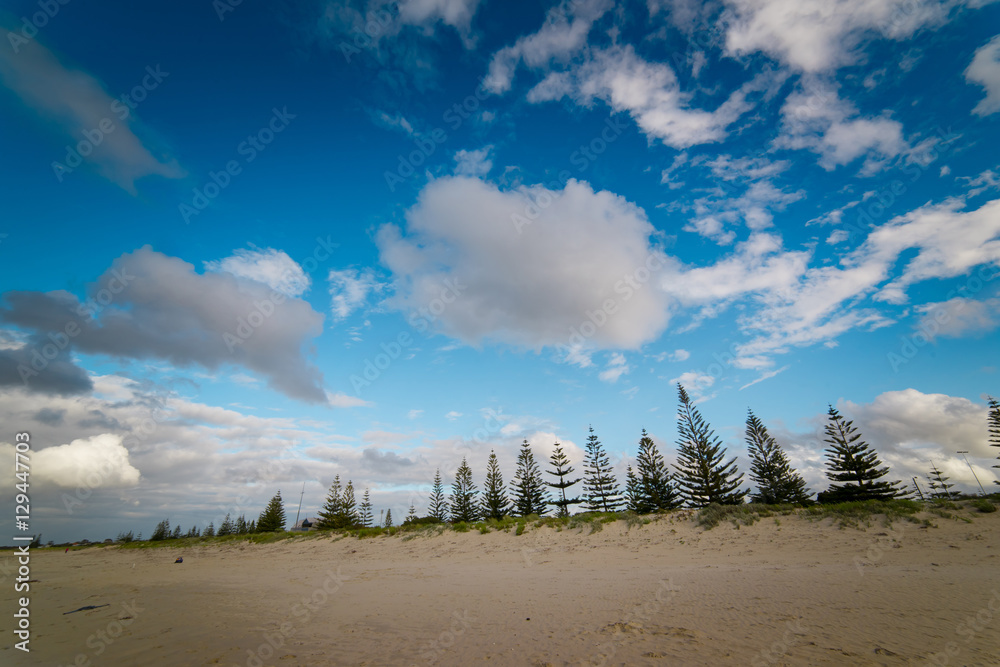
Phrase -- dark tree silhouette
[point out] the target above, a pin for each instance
(853, 466)
(527, 488)
(776, 481)
(702, 473)
(562, 469)
(496, 505)
(599, 485)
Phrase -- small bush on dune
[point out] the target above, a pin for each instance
(984, 505)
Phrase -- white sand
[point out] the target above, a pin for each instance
(668, 593)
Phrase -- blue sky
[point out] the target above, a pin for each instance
(371, 239)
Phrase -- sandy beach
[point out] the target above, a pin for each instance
(786, 592)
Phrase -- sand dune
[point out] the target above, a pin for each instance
(668, 593)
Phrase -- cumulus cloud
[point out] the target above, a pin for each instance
(526, 266)
(349, 290)
(815, 118)
(959, 317)
(984, 70)
(151, 306)
(456, 13)
(820, 35)
(75, 103)
(271, 267)
(100, 461)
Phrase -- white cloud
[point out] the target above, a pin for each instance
(414, 414)
(74, 102)
(985, 71)
(815, 118)
(695, 383)
(474, 163)
(820, 35)
(526, 266)
(679, 355)
(616, 367)
(456, 13)
(651, 94)
(271, 267)
(959, 317)
(349, 290)
(96, 462)
(453, 415)
(345, 401)
(563, 34)
(909, 429)
(767, 375)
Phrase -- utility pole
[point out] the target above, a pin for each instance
(300, 505)
(963, 453)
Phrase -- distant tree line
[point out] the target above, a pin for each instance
(701, 476)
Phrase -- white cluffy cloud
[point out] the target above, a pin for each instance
(528, 266)
(99, 461)
(272, 267)
(349, 290)
(985, 71)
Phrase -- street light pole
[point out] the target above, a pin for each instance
(963, 453)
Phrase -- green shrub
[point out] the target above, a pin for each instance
(460, 527)
(984, 505)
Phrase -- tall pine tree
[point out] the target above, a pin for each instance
(940, 488)
(853, 467)
(349, 506)
(272, 519)
(332, 515)
(657, 490)
(776, 481)
(634, 501)
(599, 485)
(438, 503)
(993, 422)
(463, 496)
(527, 488)
(227, 527)
(702, 473)
(365, 515)
(562, 470)
(495, 502)
(388, 519)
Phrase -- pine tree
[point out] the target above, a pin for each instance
(388, 519)
(272, 519)
(993, 422)
(599, 485)
(332, 515)
(852, 463)
(241, 526)
(438, 503)
(161, 532)
(226, 527)
(776, 481)
(495, 502)
(349, 507)
(563, 469)
(177, 532)
(655, 481)
(527, 488)
(366, 510)
(194, 532)
(463, 496)
(702, 474)
(939, 484)
(633, 492)
(209, 530)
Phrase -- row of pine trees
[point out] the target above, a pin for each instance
(701, 476)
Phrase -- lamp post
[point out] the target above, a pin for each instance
(963, 453)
